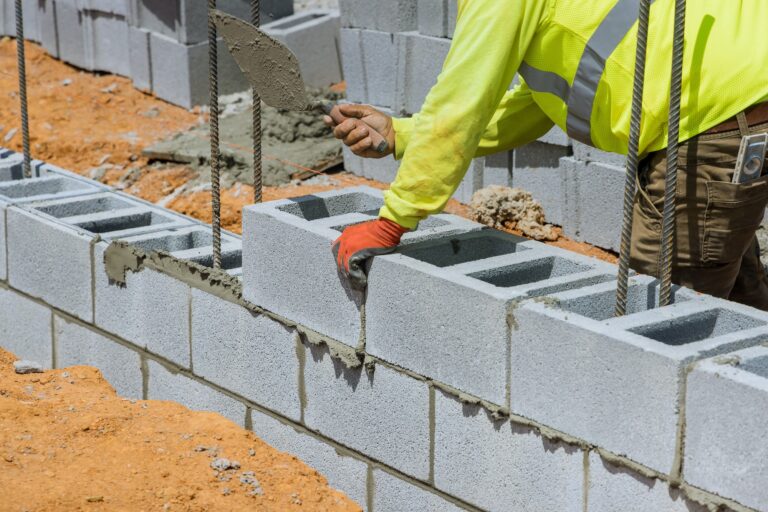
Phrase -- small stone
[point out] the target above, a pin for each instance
(222, 464)
(252, 452)
(66, 82)
(110, 89)
(226, 491)
(295, 498)
(65, 375)
(94, 499)
(11, 134)
(24, 367)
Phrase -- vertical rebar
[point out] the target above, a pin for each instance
(257, 186)
(632, 156)
(673, 145)
(23, 88)
(213, 84)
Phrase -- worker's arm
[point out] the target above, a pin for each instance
(489, 44)
(518, 120)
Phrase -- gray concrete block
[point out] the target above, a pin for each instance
(77, 345)
(108, 34)
(442, 308)
(498, 169)
(589, 154)
(343, 471)
(498, 465)
(616, 488)
(369, 60)
(72, 33)
(48, 30)
(31, 9)
(313, 36)
(419, 62)
(391, 494)
(726, 410)
(594, 202)
(164, 384)
(437, 18)
(383, 15)
(617, 382)
(556, 136)
(25, 328)
(472, 181)
(537, 170)
(139, 59)
(11, 166)
(117, 7)
(251, 355)
(383, 414)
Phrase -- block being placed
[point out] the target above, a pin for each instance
(381, 413)
(369, 60)
(726, 410)
(383, 15)
(313, 36)
(76, 345)
(25, 328)
(499, 466)
(445, 308)
(537, 170)
(343, 471)
(165, 384)
(419, 62)
(437, 18)
(288, 267)
(391, 494)
(617, 382)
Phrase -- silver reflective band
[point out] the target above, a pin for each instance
(545, 81)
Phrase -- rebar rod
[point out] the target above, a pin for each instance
(673, 146)
(257, 183)
(213, 84)
(632, 156)
(22, 68)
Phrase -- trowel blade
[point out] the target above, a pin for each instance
(271, 68)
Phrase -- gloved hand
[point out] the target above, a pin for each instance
(362, 241)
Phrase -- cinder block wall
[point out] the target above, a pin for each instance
(392, 52)
(480, 371)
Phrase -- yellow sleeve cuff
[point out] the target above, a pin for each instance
(390, 213)
(403, 127)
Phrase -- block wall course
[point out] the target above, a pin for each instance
(25, 328)
(437, 18)
(77, 346)
(369, 60)
(419, 62)
(391, 494)
(383, 15)
(537, 170)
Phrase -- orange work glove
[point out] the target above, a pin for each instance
(362, 241)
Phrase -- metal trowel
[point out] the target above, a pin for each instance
(273, 70)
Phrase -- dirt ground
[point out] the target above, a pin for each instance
(68, 442)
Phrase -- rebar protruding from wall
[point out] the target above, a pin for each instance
(673, 145)
(23, 88)
(213, 84)
(257, 181)
(632, 157)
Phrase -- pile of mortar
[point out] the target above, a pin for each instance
(292, 142)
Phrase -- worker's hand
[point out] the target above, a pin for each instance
(362, 241)
(355, 129)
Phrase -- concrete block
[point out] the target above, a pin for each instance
(369, 61)
(77, 346)
(117, 7)
(31, 9)
(419, 62)
(48, 30)
(726, 410)
(594, 202)
(383, 414)
(383, 15)
(108, 35)
(25, 328)
(557, 137)
(11, 166)
(498, 169)
(164, 384)
(288, 267)
(616, 488)
(391, 494)
(72, 31)
(497, 465)
(537, 170)
(437, 18)
(313, 36)
(443, 308)
(589, 154)
(139, 59)
(472, 181)
(251, 355)
(343, 471)
(617, 382)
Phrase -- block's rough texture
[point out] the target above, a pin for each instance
(313, 37)
(617, 382)
(614, 488)
(343, 472)
(725, 443)
(369, 60)
(391, 494)
(593, 202)
(419, 62)
(166, 385)
(500, 466)
(77, 345)
(383, 15)
(537, 170)
(246, 353)
(437, 18)
(382, 413)
(25, 328)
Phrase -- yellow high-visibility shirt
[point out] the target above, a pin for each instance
(576, 59)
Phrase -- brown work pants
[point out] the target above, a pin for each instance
(715, 251)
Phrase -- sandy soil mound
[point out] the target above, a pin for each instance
(68, 442)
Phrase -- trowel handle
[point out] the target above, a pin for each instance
(380, 144)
